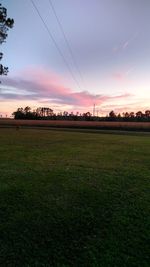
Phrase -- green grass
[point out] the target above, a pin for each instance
(73, 199)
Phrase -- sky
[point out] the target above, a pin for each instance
(103, 59)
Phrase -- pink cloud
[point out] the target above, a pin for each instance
(41, 85)
(124, 75)
(118, 76)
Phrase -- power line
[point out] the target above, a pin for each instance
(55, 43)
(65, 38)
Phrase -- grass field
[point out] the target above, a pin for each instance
(71, 199)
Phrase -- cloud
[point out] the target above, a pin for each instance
(118, 76)
(41, 85)
(125, 44)
(123, 76)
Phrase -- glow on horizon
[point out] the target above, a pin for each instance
(39, 87)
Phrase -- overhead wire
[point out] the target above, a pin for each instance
(55, 44)
(66, 39)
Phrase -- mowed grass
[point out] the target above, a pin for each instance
(73, 199)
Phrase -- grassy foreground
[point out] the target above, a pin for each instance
(73, 199)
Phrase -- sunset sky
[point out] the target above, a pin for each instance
(108, 63)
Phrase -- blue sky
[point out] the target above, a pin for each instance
(110, 42)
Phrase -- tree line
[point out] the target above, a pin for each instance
(46, 113)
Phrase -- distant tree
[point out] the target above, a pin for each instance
(65, 113)
(112, 114)
(147, 113)
(38, 112)
(87, 114)
(19, 113)
(5, 25)
(126, 115)
(139, 114)
(49, 112)
(27, 109)
(131, 115)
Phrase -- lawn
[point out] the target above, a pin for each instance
(71, 199)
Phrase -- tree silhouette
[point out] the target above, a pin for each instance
(147, 113)
(46, 113)
(131, 115)
(27, 109)
(5, 25)
(112, 114)
(139, 114)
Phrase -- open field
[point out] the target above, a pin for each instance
(134, 126)
(71, 199)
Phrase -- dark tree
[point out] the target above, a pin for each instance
(27, 110)
(5, 25)
(147, 113)
(112, 114)
(139, 114)
(131, 115)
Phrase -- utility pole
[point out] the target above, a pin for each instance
(94, 110)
